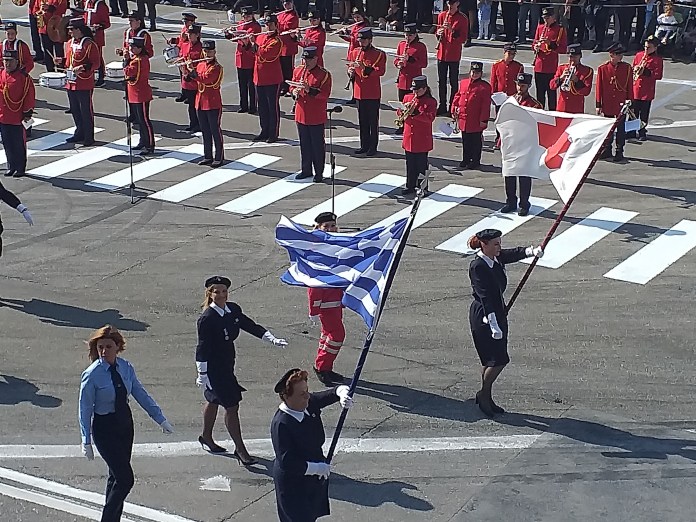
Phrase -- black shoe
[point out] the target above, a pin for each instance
(272, 139)
(371, 152)
(485, 407)
(474, 165)
(146, 151)
(180, 98)
(99, 82)
(408, 192)
(216, 164)
(195, 130)
(606, 153)
(336, 377)
(494, 406)
(619, 157)
(260, 137)
(124, 15)
(73, 139)
(318, 179)
(399, 131)
(67, 111)
(242, 110)
(212, 447)
(205, 162)
(88, 143)
(642, 137)
(139, 146)
(17, 174)
(250, 462)
(9, 173)
(523, 211)
(360, 151)
(303, 175)
(463, 164)
(509, 207)
(441, 111)
(153, 27)
(253, 111)
(352, 102)
(324, 377)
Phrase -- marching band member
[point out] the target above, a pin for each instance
(504, 72)
(209, 75)
(151, 11)
(49, 9)
(136, 69)
(13, 201)
(325, 306)
(523, 98)
(314, 36)
(452, 32)
(310, 112)
(187, 20)
(288, 21)
(550, 40)
(574, 81)
(647, 70)
(136, 29)
(418, 131)
(16, 106)
(96, 17)
(190, 50)
(81, 57)
(487, 315)
(218, 326)
(411, 59)
(472, 108)
(244, 60)
(350, 35)
(34, 6)
(366, 66)
(12, 43)
(613, 89)
(268, 75)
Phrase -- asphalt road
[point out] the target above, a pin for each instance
(600, 389)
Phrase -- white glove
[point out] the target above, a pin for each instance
(22, 209)
(321, 469)
(313, 321)
(537, 252)
(202, 380)
(345, 399)
(167, 427)
(275, 341)
(87, 451)
(496, 332)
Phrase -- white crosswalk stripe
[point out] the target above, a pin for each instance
(47, 142)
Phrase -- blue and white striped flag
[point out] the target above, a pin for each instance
(358, 263)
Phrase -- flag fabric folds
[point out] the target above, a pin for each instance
(549, 145)
(358, 263)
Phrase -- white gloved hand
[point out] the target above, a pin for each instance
(202, 380)
(344, 398)
(167, 427)
(87, 451)
(275, 341)
(321, 469)
(22, 209)
(537, 252)
(313, 321)
(496, 332)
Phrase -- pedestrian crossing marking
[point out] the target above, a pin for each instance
(504, 222)
(353, 198)
(582, 236)
(214, 177)
(47, 142)
(269, 194)
(148, 168)
(658, 255)
(433, 205)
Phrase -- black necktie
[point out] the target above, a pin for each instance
(121, 393)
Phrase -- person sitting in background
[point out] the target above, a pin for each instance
(667, 24)
(394, 19)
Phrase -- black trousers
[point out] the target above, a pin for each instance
(141, 115)
(620, 133)
(511, 11)
(601, 19)
(269, 109)
(287, 65)
(14, 142)
(641, 108)
(576, 25)
(445, 70)
(190, 101)
(212, 133)
(113, 436)
(472, 146)
(325, 10)
(35, 38)
(368, 119)
(247, 91)
(312, 149)
(82, 113)
(50, 48)
(118, 6)
(416, 164)
(625, 15)
(541, 81)
(493, 27)
(302, 7)
(525, 183)
(151, 10)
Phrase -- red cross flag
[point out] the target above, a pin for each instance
(549, 145)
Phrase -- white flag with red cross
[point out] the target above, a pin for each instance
(549, 145)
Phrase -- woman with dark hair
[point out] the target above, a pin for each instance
(136, 69)
(218, 326)
(297, 434)
(488, 314)
(106, 417)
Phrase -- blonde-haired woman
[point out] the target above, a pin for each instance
(105, 416)
(218, 326)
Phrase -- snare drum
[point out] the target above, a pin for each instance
(55, 80)
(71, 75)
(171, 53)
(114, 71)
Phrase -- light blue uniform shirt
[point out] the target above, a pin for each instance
(98, 395)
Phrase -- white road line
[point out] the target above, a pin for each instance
(353, 198)
(656, 256)
(214, 178)
(503, 222)
(82, 495)
(37, 123)
(269, 194)
(149, 168)
(582, 236)
(433, 205)
(46, 142)
(673, 125)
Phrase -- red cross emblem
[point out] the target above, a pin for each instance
(555, 139)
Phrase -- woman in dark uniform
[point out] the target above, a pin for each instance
(10, 199)
(487, 314)
(218, 327)
(298, 436)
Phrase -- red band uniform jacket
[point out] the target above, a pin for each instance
(267, 69)
(209, 80)
(51, 8)
(473, 104)
(315, 37)
(504, 76)
(311, 106)
(137, 73)
(372, 66)
(288, 20)
(546, 60)
(352, 38)
(614, 87)
(97, 15)
(192, 52)
(87, 53)
(129, 34)
(528, 101)
(573, 100)
(418, 128)
(644, 86)
(244, 57)
(449, 48)
(17, 96)
(416, 60)
(26, 60)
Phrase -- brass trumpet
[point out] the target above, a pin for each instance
(638, 70)
(565, 86)
(407, 111)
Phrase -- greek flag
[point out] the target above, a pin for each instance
(359, 263)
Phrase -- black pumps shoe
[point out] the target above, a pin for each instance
(250, 462)
(212, 447)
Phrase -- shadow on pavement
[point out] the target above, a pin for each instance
(15, 390)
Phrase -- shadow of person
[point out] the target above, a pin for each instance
(59, 314)
(632, 446)
(15, 390)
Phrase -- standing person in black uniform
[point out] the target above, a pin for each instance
(297, 434)
(10, 199)
(105, 416)
(487, 314)
(218, 327)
